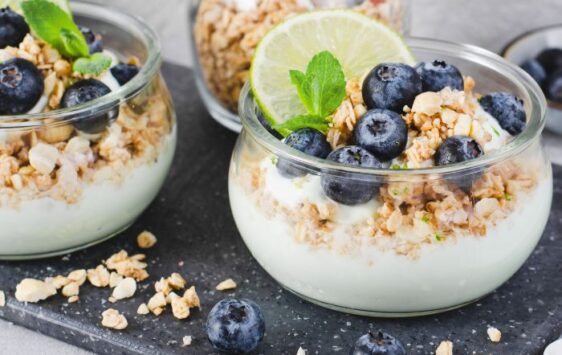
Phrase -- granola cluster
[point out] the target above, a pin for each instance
(228, 31)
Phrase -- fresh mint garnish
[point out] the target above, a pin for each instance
(438, 237)
(496, 131)
(399, 167)
(95, 64)
(321, 90)
(56, 27)
(425, 218)
(299, 122)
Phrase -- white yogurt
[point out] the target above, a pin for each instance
(46, 225)
(373, 281)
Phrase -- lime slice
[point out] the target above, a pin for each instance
(16, 5)
(357, 41)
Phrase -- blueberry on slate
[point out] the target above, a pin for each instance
(508, 109)
(438, 75)
(84, 91)
(382, 132)
(13, 28)
(535, 70)
(308, 141)
(235, 326)
(551, 59)
(21, 86)
(391, 86)
(457, 149)
(265, 123)
(352, 189)
(377, 344)
(124, 72)
(95, 42)
(553, 86)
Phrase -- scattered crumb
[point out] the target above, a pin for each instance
(2, 299)
(114, 279)
(32, 290)
(445, 348)
(173, 282)
(128, 266)
(111, 318)
(187, 340)
(72, 289)
(125, 289)
(494, 334)
(73, 299)
(192, 298)
(146, 240)
(58, 281)
(112, 299)
(226, 285)
(180, 308)
(301, 351)
(157, 303)
(143, 309)
(77, 276)
(98, 277)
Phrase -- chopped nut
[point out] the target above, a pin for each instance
(2, 299)
(43, 158)
(445, 348)
(128, 266)
(31, 290)
(143, 309)
(99, 277)
(180, 309)
(428, 103)
(157, 303)
(176, 281)
(72, 289)
(186, 340)
(146, 240)
(73, 299)
(112, 299)
(114, 279)
(171, 296)
(226, 285)
(191, 297)
(58, 281)
(78, 276)
(125, 289)
(494, 334)
(111, 318)
(56, 134)
(301, 351)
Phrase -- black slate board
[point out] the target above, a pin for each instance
(192, 220)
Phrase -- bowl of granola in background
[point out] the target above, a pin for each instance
(405, 239)
(93, 152)
(225, 33)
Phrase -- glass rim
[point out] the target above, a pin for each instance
(147, 71)
(536, 112)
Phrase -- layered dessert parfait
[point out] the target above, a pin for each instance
(87, 132)
(397, 188)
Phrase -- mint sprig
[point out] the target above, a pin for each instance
(95, 64)
(321, 90)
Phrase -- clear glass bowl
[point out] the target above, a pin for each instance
(432, 239)
(234, 67)
(63, 190)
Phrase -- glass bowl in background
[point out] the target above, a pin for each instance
(433, 239)
(63, 190)
(230, 44)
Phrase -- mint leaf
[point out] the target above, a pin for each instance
(95, 64)
(322, 88)
(56, 27)
(299, 122)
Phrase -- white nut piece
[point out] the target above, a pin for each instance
(2, 299)
(43, 158)
(58, 281)
(32, 290)
(157, 303)
(463, 125)
(72, 289)
(98, 277)
(146, 240)
(301, 351)
(125, 289)
(176, 281)
(114, 279)
(486, 207)
(191, 297)
(180, 309)
(77, 145)
(445, 348)
(228, 284)
(494, 334)
(111, 318)
(78, 276)
(428, 103)
(187, 340)
(143, 309)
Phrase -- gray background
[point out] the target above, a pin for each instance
(487, 23)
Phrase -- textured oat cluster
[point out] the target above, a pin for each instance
(227, 35)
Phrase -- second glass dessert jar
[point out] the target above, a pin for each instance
(419, 246)
(62, 189)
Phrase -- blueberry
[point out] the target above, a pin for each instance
(84, 91)
(265, 123)
(438, 75)
(457, 149)
(95, 42)
(535, 70)
(382, 132)
(308, 141)
(377, 344)
(13, 28)
(124, 72)
(508, 109)
(551, 59)
(21, 86)
(553, 86)
(391, 86)
(235, 326)
(347, 188)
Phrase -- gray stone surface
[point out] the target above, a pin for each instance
(527, 309)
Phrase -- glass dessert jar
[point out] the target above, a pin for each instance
(225, 33)
(63, 186)
(426, 240)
